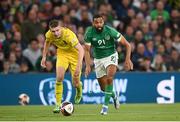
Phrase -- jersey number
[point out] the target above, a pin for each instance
(101, 42)
(113, 59)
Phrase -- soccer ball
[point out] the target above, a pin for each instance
(67, 108)
(23, 99)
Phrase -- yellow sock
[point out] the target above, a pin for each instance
(59, 92)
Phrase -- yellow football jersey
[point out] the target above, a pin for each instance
(65, 42)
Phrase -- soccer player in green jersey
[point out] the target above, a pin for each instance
(102, 39)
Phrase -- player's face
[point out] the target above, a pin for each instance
(56, 31)
(98, 23)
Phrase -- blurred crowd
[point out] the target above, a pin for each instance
(152, 27)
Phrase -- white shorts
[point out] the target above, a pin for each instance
(103, 63)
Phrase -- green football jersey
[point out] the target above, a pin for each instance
(103, 43)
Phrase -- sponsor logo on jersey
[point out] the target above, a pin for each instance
(94, 39)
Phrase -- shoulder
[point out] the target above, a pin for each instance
(65, 29)
(108, 27)
(89, 29)
(67, 32)
(48, 34)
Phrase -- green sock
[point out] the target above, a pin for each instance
(108, 93)
(113, 95)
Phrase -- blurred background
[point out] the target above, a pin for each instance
(151, 26)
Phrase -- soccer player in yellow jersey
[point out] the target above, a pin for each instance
(69, 54)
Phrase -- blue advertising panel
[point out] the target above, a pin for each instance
(131, 87)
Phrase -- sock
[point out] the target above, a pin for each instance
(79, 90)
(113, 94)
(108, 93)
(59, 92)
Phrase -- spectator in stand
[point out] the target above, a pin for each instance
(67, 23)
(32, 53)
(139, 20)
(20, 59)
(85, 20)
(158, 64)
(153, 27)
(1, 60)
(161, 51)
(129, 34)
(14, 67)
(138, 56)
(160, 11)
(145, 65)
(138, 37)
(150, 50)
(174, 63)
(24, 68)
(175, 20)
(146, 32)
(18, 40)
(121, 9)
(167, 35)
(176, 41)
(31, 27)
(6, 67)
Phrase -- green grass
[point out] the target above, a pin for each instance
(127, 112)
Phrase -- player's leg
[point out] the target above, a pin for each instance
(102, 79)
(76, 80)
(61, 67)
(111, 67)
(107, 83)
(111, 70)
(102, 82)
(110, 64)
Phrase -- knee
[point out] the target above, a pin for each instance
(60, 78)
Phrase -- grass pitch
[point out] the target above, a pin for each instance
(127, 112)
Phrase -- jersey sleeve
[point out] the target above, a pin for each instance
(87, 38)
(115, 34)
(72, 38)
(48, 37)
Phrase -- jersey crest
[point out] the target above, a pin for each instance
(107, 37)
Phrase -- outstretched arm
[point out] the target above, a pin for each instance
(128, 62)
(87, 59)
(45, 50)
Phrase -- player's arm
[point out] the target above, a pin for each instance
(87, 58)
(80, 54)
(87, 48)
(45, 51)
(128, 62)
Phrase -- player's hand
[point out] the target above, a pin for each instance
(128, 65)
(43, 62)
(87, 70)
